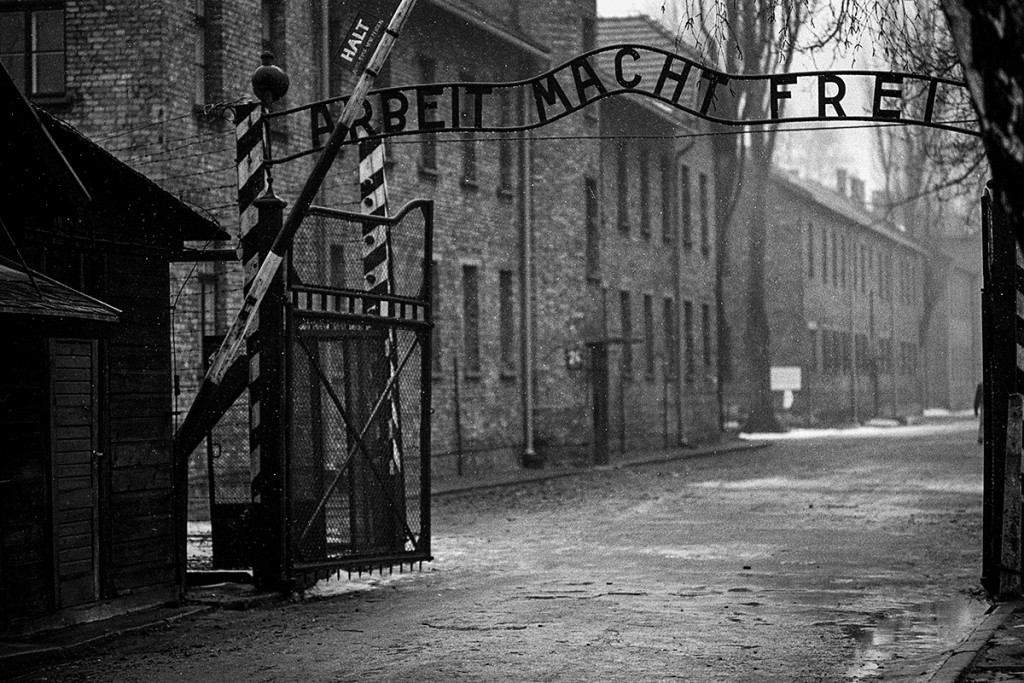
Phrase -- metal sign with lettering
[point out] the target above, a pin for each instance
(669, 78)
(361, 40)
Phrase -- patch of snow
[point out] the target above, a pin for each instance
(863, 431)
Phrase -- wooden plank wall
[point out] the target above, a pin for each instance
(75, 482)
(26, 572)
(141, 524)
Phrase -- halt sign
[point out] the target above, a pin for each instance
(361, 40)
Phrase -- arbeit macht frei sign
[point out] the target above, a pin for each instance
(672, 79)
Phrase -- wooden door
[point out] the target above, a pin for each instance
(75, 476)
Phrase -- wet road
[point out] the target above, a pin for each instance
(829, 558)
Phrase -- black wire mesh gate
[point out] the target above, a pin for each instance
(358, 386)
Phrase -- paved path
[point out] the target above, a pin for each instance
(825, 559)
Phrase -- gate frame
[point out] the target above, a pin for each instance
(1002, 376)
(297, 574)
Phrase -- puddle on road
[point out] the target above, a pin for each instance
(906, 641)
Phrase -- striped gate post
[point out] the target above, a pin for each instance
(377, 279)
(260, 219)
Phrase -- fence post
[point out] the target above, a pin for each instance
(266, 413)
(1010, 562)
(458, 417)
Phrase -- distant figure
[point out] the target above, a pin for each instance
(979, 410)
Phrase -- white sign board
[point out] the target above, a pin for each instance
(785, 378)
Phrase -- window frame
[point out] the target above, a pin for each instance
(29, 77)
(472, 366)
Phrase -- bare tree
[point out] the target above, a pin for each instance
(752, 37)
(931, 176)
(988, 36)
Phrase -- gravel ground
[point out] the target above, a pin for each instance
(826, 558)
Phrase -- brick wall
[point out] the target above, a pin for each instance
(814, 310)
(132, 86)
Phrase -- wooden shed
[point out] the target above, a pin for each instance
(91, 521)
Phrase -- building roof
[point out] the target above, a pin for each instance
(45, 161)
(25, 292)
(472, 13)
(108, 178)
(845, 207)
(35, 169)
(643, 30)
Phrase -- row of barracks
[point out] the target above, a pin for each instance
(574, 270)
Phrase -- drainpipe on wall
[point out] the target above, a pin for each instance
(526, 198)
(677, 286)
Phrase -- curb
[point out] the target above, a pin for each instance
(517, 478)
(959, 662)
(34, 657)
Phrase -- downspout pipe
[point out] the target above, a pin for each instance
(529, 398)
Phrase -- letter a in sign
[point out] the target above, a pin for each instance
(361, 40)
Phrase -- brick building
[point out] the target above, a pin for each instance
(651, 259)
(844, 294)
(529, 243)
(953, 341)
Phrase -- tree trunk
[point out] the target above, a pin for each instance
(757, 336)
(988, 35)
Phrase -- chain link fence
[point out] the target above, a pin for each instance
(358, 383)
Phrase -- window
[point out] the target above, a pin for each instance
(824, 256)
(645, 193)
(506, 317)
(627, 334)
(844, 350)
(826, 350)
(622, 185)
(337, 274)
(863, 269)
(855, 266)
(842, 260)
(671, 339)
(881, 277)
(812, 347)
(860, 351)
(684, 206)
(266, 25)
(688, 338)
(272, 29)
(593, 246)
(428, 146)
(705, 333)
(588, 34)
(32, 50)
(810, 250)
(436, 360)
(339, 21)
(471, 319)
(649, 336)
(209, 304)
(835, 259)
(469, 168)
(888, 276)
(667, 198)
(199, 60)
(705, 225)
(505, 148)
